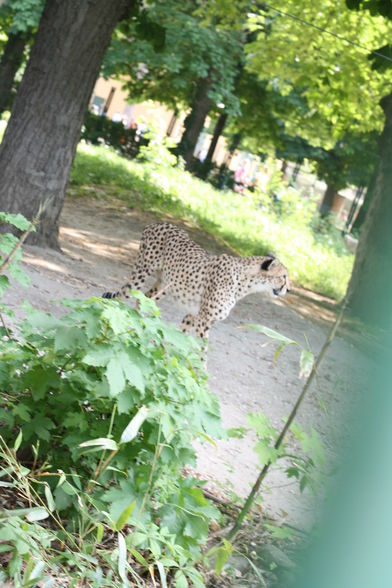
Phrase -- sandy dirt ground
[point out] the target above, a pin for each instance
(99, 241)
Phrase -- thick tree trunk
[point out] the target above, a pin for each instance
(39, 145)
(10, 62)
(371, 281)
(195, 120)
(327, 201)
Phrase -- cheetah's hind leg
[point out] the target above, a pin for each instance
(187, 323)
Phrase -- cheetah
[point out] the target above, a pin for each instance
(207, 285)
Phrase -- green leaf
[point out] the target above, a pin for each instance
(99, 356)
(101, 443)
(139, 557)
(22, 411)
(222, 555)
(162, 574)
(260, 422)
(49, 498)
(126, 401)
(68, 489)
(236, 432)
(37, 514)
(270, 333)
(180, 579)
(69, 338)
(306, 363)
(265, 453)
(115, 377)
(116, 318)
(124, 516)
(40, 379)
(132, 372)
(4, 283)
(18, 441)
(99, 535)
(282, 532)
(17, 220)
(133, 427)
(39, 426)
(122, 560)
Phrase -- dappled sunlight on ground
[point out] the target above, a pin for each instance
(89, 240)
(311, 305)
(39, 262)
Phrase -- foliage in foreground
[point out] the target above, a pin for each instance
(116, 506)
(315, 254)
(107, 402)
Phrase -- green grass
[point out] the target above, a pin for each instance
(317, 260)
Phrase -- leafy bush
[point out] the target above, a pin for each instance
(157, 152)
(99, 129)
(107, 402)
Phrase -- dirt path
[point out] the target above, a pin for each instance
(100, 240)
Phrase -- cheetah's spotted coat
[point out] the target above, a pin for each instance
(208, 285)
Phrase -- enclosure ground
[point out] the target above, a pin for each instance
(99, 240)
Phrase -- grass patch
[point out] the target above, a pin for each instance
(314, 253)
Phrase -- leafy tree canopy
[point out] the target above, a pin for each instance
(164, 49)
(20, 16)
(335, 76)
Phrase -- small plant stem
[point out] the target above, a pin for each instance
(5, 326)
(158, 451)
(22, 239)
(99, 467)
(108, 460)
(252, 495)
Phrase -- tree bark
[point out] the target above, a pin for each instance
(194, 122)
(327, 201)
(235, 143)
(218, 130)
(172, 123)
(40, 141)
(369, 292)
(11, 60)
(359, 221)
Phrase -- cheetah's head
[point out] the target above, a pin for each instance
(275, 275)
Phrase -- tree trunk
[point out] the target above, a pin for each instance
(218, 130)
(194, 122)
(327, 201)
(40, 141)
(360, 219)
(11, 60)
(172, 123)
(235, 143)
(369, 290)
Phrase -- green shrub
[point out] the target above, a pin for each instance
(107, 401)
(99, 129)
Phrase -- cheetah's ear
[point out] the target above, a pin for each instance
(267, 263)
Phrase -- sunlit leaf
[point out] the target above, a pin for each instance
(100, 443)
(132, 429)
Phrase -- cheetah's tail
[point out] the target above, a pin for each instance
(110, 295)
